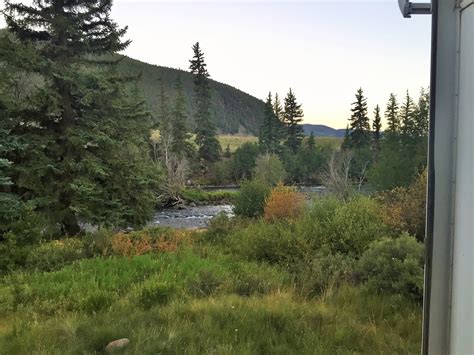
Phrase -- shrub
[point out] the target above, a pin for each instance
(99, 242)
(157, 294)
(275, 243)
(54, 255)
(322, 272)
(405, 207)
(251, 200)
(284, 203)
(243, 161)
(131, 244)
(206, 283)
(269, 169)
(348, 227)
(394, 266)
(256, 279)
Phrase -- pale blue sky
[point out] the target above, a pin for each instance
(324, 50)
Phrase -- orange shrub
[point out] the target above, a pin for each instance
(140, 243)
(283, 203)
(131, 244)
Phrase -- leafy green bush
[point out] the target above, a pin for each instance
(348, 227)
(243, 161)
(250, 202)
(274, 243)
(394, 266)
(54, 255)
(269, 169)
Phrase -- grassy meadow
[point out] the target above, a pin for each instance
(185, 302)
(242, 286)
(235, 141)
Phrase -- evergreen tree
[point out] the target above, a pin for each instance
(346, 143)
(278, 110)
(407, 117)
(270, 131)
(391, 115)
(422, 114)
(359, 122)
(179, 130)
(164, 119)
(85, 132)
(311, 143)
(293, 116)
(209, 148)
(377, 127)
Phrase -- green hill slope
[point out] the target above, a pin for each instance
(234, 110)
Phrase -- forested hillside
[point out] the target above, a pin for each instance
(234, 110)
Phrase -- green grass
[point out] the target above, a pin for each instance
(201, 196)
(195, 302)
(235, 141)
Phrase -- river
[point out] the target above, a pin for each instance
(199, 216)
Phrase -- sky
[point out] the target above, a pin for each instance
(323, 50)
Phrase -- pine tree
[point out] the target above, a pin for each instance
(86, 157)
(270, 131)
(407, 117)
(164, 110)
(311, 143)
(391, 115)
(293, 116)
(422, 114)
(359, 122)
(209, 148)
(179, 130)
(377, 127)
(278, 111)
(346, 143)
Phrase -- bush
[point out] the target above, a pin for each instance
(394, 266)
(324, 271)
(54, 255)
(156, 294)
(284, 203)
(275, 243)
(243, 161)
(131, 244)
(206, 283)
(251, 200)
(405, 207)
(347, 227)
(269, 169)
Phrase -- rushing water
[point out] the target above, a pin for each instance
(199, 216)
(190, 217)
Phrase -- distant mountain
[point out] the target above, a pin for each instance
(234, 110)
(323, 131)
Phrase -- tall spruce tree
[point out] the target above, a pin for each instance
(376, 128)
(359, 122)
(278, 110)
(270, 131)
(293, 116)
(85, 132)
(311, 143)
(209, 148)
(422, 113)
(391, 115)
(346, 142)
(179, 130)
(407, 117)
